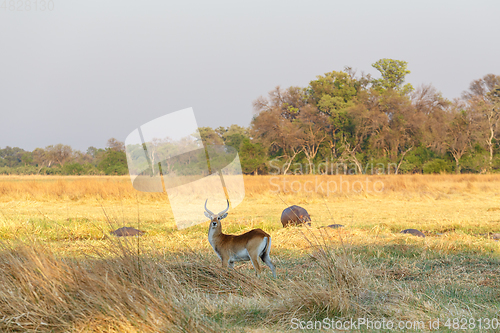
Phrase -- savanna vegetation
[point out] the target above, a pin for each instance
(366, 125)
(375, 155)
(61, 270)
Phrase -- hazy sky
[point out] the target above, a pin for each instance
(86, 71)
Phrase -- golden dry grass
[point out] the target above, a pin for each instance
(61, 271)
(80, 188)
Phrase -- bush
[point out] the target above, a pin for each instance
(477, 161)
(27, 170)
(407, 167)
(415, 159)
(51, 171)
(5, 171)
(437, 165)
(74, 169)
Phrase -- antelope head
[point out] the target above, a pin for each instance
(215, 218)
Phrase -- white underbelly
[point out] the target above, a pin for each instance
(241, 255)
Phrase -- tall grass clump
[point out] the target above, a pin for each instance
(341, 280)
(118, 289)
(42, 293)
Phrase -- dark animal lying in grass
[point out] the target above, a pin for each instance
(334, 226)
(413, 232)
(127, 231)
(295, 215)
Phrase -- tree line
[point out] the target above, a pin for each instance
(63, 160)
(348, 123)
(341, 122)
(379, 125)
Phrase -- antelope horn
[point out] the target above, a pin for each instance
(225, 210)
(207, 208)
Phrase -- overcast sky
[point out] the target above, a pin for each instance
(88, 70)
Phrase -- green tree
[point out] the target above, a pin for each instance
(232, 135)
(393, 76)
(235, 140)
(209, 136)
(252, 156)
(27, 158)
(333, 91)
(11, 156)
(333, 94)
(113, 162)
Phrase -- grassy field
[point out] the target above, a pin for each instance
(60, 270)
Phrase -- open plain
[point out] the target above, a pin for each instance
(61, 270)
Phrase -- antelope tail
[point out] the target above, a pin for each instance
(267, 249)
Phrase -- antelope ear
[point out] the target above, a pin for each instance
(223, 216)
(208, 215)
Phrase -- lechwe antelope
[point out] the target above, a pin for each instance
(230, 248)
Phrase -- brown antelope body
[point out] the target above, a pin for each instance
(231, 248)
